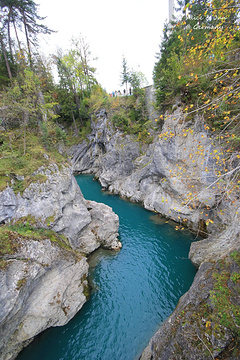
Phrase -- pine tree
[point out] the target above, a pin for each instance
(22, 14)
(125, 75)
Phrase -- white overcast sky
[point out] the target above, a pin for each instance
(132, 28)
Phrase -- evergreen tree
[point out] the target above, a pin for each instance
(125, 75)
(22, 14)
(5, 56)
(137, 80)
(29, 18)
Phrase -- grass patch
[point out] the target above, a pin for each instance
(226, 313)
(212, 325)
(98, 99)
(235, 255)
(3, 264)
(8, 242)
(84, 131)
(24, 229)
(20, 283)
(21, 185)
(17, 165)
(129, 115)
(226, 287)
(27, 230)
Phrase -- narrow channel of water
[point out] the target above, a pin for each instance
(134, 290)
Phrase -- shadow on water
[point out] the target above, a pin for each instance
(133, 290)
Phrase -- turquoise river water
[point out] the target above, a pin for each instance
(134, 290)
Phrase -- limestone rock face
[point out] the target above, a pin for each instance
(217, 247)
(41, 285)
(160, 175)
(58, 201)
(58, 204)
(103, 229)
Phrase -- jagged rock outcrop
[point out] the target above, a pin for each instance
(163, 176)
(102, 230)
(178, 169)
(218, 246)
(58, 204)
(42, 283)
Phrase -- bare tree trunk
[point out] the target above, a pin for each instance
(24, 140)
(27, 39)
(5, 57)
(9, 35)
(77, 101)
(40, 101)
(75, 125)
(16, 33)
(84, 52)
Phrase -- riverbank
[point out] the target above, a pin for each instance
(133, 290)
(46, 234)
(176, 176)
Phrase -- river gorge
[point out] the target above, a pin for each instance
(134, 290)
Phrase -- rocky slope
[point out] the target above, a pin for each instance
(43, 280)
(179, 166)
(175, 176)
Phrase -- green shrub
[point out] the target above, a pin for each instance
(120, 121)
(61, 134)
(45, 135)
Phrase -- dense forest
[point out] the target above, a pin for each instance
(197, 67)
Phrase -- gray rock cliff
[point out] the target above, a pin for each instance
(175, 176)
(180, 165)
(42, 283)
(58, 204)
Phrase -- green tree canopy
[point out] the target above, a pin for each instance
(76, 79)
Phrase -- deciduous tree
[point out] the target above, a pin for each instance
(206, 78)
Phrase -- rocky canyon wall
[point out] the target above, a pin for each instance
(176, 176)
(43, 281)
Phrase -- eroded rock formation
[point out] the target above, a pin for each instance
(42, 285)
(43, 282)
(180, 165)
(58, 204)
(163, 175)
